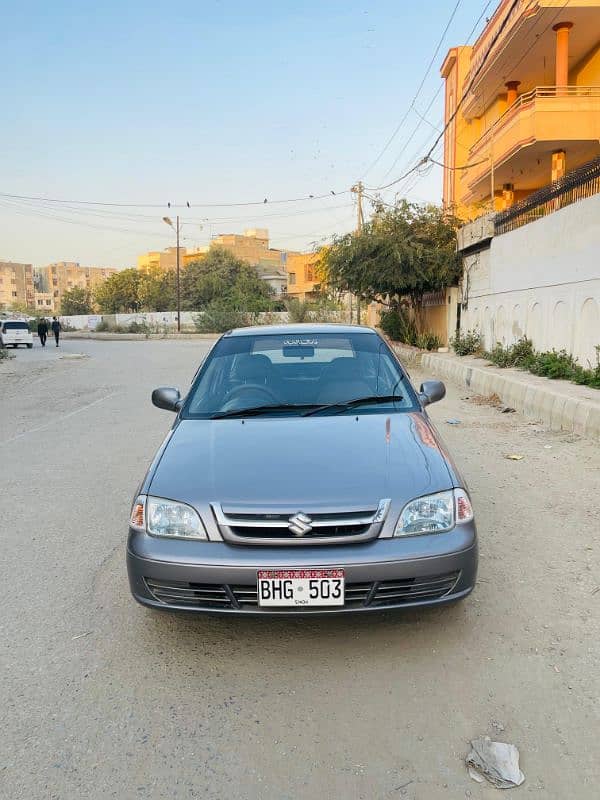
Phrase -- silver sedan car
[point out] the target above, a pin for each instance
(302, 475)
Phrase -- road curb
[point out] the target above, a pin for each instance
(561, 405)
(137, 337)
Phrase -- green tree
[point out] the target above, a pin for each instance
(76, 301)
(401, 252)
(220, 279)
(120, 292)
(157, 290)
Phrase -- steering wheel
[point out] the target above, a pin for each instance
(253, 388)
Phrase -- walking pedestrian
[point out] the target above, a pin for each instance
(56, 329)
(43, 330)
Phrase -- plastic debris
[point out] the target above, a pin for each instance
(497, 762)
(453, 421)
(514, 457)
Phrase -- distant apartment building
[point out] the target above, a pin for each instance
(161, 259)
(303, 282)
(252, 247)
(55, 279)
(522, 104)
(16, 285)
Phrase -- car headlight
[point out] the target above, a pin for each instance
(435, 513)
(168, 518)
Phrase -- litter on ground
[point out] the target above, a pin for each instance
(497, 762)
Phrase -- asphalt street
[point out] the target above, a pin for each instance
(101, 698)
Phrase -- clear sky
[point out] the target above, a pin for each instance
(209, 102)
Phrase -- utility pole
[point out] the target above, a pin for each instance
(358, 190)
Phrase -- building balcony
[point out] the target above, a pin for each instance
(519, 145)
(519, 43)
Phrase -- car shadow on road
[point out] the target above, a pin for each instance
(263, 631)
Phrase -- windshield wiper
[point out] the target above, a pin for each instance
(255, 411)
(358, 401)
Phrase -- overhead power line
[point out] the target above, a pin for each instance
(195, 204)
(458, 169)
(430, 104)
(454, 114)
(417, 93)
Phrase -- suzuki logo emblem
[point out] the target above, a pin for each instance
(300, 524)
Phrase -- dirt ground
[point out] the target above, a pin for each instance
(101, 698)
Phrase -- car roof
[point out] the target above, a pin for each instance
(300, 329)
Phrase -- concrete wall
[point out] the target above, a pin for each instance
(541, 281)
(162, 320)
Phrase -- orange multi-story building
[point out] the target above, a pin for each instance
(522, 104)
(302, 279)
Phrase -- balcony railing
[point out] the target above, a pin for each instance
(526, 99)
(577, 185)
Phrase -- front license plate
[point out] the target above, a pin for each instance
(300, 587)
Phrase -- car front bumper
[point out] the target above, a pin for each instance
(216, 577)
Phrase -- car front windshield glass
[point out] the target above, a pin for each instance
(298, 373)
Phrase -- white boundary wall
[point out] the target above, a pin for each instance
(541, 281)
(162, 320)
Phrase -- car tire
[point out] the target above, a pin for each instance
(29, 346)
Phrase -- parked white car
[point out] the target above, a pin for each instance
(14, 332)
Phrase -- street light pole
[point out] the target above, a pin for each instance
(176, 228)
(178, 283)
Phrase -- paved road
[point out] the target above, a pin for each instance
(103, 699)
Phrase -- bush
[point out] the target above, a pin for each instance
(298, 310)
(397, 324)
(466, 344)
(520, 354)
(137, 327)
(320, 310)
(428, 341)
(555, 364)
(216, 319)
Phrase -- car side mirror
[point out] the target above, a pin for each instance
(431, 392)
(167, 397)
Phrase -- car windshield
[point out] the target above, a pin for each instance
(16, 326)
(283, 374)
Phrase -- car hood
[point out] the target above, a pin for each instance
(302, 462)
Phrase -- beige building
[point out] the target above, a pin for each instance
(55, 279)
(16, 285)
(161, 259)
(252, 246)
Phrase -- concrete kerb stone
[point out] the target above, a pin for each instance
(558, 404)
(137, 336)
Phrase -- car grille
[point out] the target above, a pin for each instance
(316, 533)
(275, 527)
(378, 594)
